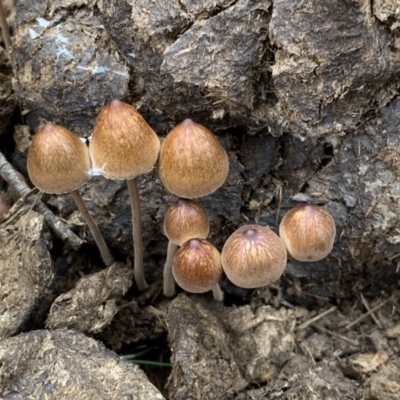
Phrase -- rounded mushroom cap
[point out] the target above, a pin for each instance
(308, 232)
(192, 162)
(197, 266)
(123, 145)
(58, 161)
(253, 256)
(186, 219)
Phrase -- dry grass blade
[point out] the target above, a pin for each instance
(366, 305)
(316, 318)
(372, 310)
(352, 342)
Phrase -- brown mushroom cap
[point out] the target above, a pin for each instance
(253, 256)
(58, 161)
(308, 232)
(192, 162)
(186, 219)
(123, 145)
(197, 266)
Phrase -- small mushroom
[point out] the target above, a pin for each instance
(197, 267)
(185, 219)
(308, 232)
(253, 256)
(192, 162)
(58, 162)
(123, 146)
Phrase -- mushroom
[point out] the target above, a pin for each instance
(197, 267)
(58, 162)
(192, 162)
(308, 232)
(123, 146)
(185, 219)
(253, 256)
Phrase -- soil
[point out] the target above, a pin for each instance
(304, 99)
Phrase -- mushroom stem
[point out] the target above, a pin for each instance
(94, 229)
(137, 235)
(218, 294)
(169, 281)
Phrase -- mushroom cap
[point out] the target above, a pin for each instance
(197, 266)
(186, 219)
(58, 161)
(123, 145)
(192, 162)
(308, 232)
(253, 256)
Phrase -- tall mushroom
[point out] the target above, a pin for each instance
(58, 162)
(193, 164)
(123, 146)
(185, 219)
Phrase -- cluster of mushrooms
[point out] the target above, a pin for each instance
(191, 164)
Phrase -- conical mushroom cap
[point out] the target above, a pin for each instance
(186, 219)
(192, 162)
(253, 256)
(58, 161)
(123, 145)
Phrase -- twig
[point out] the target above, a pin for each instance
(60, 229)
(316, 318)
(337, 335)
(355, 322)
(6, 32)
(366, 305)
(309, 353)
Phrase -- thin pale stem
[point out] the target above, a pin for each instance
(101, 244)
(217, 293)
(137, 235)
(169, 281)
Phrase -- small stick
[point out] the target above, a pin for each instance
(366, 305)
(309, 353)
(337, 335)
(355, 322)
(393, 257)
(59, 228)
(316, 318)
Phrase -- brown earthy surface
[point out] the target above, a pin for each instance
(304, 98)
